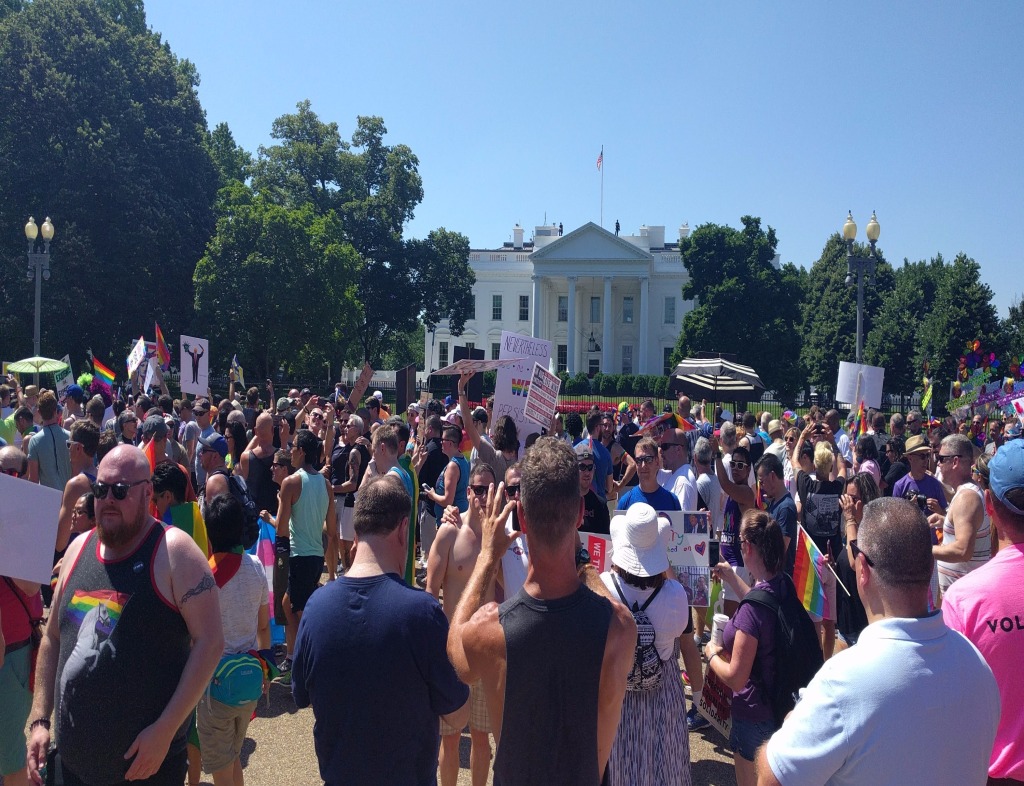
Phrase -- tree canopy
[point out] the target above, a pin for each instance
(101, 130)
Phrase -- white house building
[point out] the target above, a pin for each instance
(607, 303)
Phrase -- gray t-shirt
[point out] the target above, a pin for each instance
(49, 447)
(240, 601)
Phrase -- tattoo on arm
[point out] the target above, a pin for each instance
(205, 584)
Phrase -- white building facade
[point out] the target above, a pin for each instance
(608, 303)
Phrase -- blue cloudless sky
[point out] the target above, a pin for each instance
(793, 112)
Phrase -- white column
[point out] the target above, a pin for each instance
(606, 337)
(536, 305)
(571, 324)
(645, 327)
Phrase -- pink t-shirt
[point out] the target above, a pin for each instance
(987, 606)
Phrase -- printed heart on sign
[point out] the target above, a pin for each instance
(701, 547)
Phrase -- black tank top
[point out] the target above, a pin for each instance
(554, 651)
(123, 649)
(261, 482)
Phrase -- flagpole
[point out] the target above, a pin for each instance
(602, 186)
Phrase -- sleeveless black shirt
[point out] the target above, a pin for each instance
(260, 482)
(554, 651)
(123, 649)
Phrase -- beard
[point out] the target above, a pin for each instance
(114, 530)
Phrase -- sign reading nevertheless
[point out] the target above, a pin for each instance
(542, 397)
(513, 383)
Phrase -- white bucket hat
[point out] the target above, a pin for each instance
(640, 541)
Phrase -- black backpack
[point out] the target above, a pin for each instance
(798, 653)
(240, 491)
(646, 672)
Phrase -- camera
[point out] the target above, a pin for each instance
(819, 429)
(914, 496)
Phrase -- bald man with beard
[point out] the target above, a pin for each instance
(153, 646)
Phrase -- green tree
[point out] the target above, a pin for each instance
(892, 342)
(1013, 329)
(232, 161)
(374, 188)
(744, 304)
(103, 131)
(277, 285)
(963, 311)
(830, 312)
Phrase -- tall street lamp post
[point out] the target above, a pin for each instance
(39, 266)
(860, 270)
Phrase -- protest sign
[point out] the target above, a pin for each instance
(716, 703)
(195, 365)
(136, 356)
(355, 398)
(468, 364)
(542, 397)
(600, 549)
(28, 529)
(513, 382)
(154, 375)
(64, 380)
(858, 383)
(688, 553)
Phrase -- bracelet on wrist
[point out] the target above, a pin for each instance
(44, 722)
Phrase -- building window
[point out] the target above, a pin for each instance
(595, 310)
(563, 308)
(496, 308)
(524, 308)
(563, 359)
(627, 358)
(495, 350)
(627, 310)
(442, 354)
(667, 360)
(470, 346)
(593, 367)
(670, 310)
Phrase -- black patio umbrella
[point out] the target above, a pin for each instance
(715, 378)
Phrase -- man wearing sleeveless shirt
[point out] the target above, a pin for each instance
(557, 646)
(966, 530)
(256, 462)
(131, 644)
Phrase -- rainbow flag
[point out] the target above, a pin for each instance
(187, 518)
(807, 569)
(163, 354)
(102, 372)
(860, 424)
(82, 602)
(670, 419)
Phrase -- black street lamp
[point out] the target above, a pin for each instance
(860, 270)
(39, 266)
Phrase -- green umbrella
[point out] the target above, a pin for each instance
(37, 365)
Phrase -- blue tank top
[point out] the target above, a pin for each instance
(461, 501)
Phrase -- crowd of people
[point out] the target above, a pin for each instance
(428, 575)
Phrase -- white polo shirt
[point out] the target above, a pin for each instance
(912, 702)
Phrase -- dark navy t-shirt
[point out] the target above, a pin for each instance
(371, 659)
(659, 499)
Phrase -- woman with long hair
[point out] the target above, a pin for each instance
(234, 433)
(745, 661)
(865, 457)
(851, 618)
(651, 746)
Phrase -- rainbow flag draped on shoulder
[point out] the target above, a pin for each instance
(807, 570)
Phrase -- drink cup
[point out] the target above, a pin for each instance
(718, 629)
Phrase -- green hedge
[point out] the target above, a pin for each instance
(626, 385)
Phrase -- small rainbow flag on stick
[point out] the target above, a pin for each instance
(102, 371)
(807, 570)
(860, 423)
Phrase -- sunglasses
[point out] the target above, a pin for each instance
(943, 459)
(120, 490)
(644, 460)
(511, 491)
(856, 550)
(740, 465)
(480, 491)
(317, 416)
(586, 467)
(70, 443)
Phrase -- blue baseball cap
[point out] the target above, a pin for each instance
(1006, 472)
(75, 392)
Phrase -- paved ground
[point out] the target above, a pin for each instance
(279, 749)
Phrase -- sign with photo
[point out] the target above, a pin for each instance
(195, 365)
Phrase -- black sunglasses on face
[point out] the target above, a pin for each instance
(480, 491)
(120, 490)
(642, 460)
(943, 459)
(854, 548)
(586, 467)
(511, 491)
